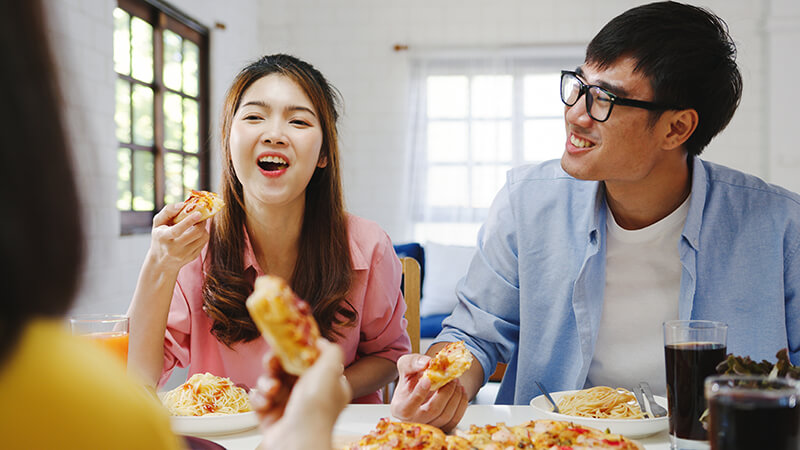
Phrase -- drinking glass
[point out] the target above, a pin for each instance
(110, 331)
(752, 412)
(692, 350)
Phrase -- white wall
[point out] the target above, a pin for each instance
(351, 42)
(82, 36)
(783, 97)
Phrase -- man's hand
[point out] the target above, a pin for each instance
(413, 401)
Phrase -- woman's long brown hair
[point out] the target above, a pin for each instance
(323, 272)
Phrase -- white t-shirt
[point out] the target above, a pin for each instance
(643, 274)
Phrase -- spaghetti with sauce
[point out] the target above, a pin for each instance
(206, 395)
(601, 402)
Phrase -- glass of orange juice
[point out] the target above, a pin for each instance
(108, 330)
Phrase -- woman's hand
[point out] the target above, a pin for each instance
(174, 246)
(300, 412)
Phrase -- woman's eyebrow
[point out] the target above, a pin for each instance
(289, 108)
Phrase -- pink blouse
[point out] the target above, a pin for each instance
(380, 329)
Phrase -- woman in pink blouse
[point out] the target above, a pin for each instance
(284, 217)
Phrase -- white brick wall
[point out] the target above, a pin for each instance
(351, 41)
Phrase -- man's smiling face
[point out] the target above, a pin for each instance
(624, 148)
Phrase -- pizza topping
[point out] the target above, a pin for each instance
(449, 363)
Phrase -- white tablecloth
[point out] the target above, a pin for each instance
(357, 420)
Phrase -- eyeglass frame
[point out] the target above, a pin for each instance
(615, 99)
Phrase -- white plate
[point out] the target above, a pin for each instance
(631, 428)
(210, 425)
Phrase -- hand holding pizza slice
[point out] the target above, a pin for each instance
(449, 363)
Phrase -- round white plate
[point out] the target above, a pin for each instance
(631, 428)
(208, 425)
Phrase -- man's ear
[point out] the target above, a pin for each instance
(682, 124)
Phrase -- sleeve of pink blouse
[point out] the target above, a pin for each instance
(178, 332)
(383, 326)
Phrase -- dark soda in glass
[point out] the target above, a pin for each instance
(745, 422)
(688, 364)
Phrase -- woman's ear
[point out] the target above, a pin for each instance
(682, 124)
(322, 162)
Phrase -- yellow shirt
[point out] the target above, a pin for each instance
(57, 392)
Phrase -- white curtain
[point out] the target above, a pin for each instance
(470, 121)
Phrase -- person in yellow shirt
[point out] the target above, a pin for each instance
(57, 392)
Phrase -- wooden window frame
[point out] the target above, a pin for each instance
(163, 16)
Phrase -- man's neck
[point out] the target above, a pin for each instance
(641, 204)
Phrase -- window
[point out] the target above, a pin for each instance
(474, 122)
(160, 58)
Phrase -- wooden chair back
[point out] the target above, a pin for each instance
(411, 294)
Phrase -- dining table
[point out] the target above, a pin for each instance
(357, 420)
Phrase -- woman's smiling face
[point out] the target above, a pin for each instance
(275, 141)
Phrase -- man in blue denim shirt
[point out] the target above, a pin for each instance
(580, 262)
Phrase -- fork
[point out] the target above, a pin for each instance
(655, 408)
(640, 401)
(547, 396)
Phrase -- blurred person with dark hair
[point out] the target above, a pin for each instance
(582, 259)
(57, 391)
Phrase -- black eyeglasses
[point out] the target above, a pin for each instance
(599, 102)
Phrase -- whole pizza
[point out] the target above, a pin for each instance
(535, 434)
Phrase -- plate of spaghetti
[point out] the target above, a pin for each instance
(602, 407)
(207, 404)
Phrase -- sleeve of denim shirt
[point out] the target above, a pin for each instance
(486, 317)
(792, 298)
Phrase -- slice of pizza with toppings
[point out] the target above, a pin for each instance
(286, 323)
(497, 436)
(453, 442)
(570, 436)
(449, 363)
(207, 203)
(390, 435)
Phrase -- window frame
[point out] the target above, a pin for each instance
(517, 63)
(162, 16)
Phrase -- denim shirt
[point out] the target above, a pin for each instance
(535, 285)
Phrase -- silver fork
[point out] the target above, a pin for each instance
(655, 408)
(640, 401)
(547, 396)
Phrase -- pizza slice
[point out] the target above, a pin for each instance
(208, 203)
(496, 436)
(453, 442)
(550, 433)
(286, 323)
(448, 364)
(389, 435)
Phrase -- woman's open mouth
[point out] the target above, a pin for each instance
(272, 163)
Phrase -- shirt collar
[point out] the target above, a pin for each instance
(358, 259)
(694, 219)
(249, 258)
